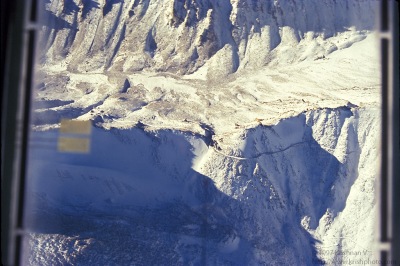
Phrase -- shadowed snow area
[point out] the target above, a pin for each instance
(234, 132)
(278, 194)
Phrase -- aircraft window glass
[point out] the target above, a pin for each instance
(204, 132)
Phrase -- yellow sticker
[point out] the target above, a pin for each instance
(77, 145)
(75, 127)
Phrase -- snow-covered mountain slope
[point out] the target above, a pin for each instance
(224, 133)
(279, 194)
(245, 99)
(181, 36)
(323, 54)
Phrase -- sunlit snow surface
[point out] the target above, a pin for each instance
(262, 152)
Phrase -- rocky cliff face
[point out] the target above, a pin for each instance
(181, 36)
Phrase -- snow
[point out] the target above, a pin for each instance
(284, 186)
(267, 94)
(224, 133)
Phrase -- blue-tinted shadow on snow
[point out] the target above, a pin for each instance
(298, 178)
(53, 22)
(288, 154)
(53, 116)
(88, 5)
(109, 5)
(137, 189)
(136, 182)
(69, 7)
(38, 104)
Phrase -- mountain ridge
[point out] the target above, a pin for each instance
(182, 36)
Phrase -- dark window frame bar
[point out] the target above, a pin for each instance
(19, 31)
(389, 186)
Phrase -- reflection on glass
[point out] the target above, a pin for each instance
(229, 132)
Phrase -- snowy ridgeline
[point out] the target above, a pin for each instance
(226, 64)
(183, 36)
(300, 192)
